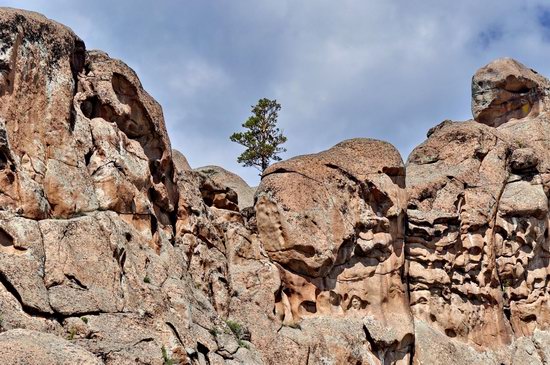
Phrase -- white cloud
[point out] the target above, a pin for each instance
(195, 76)
(383, 69)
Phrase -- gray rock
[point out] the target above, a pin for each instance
(233, 181)
(20, 346)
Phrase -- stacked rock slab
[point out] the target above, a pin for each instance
(477, 243)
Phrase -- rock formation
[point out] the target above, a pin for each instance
(90, 202)
(232, 181)
(477, 242)
(334, 225)
(114, 251)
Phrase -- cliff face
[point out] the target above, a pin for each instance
(477, 246)
(114, 251)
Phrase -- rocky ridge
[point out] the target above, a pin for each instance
(114, 251)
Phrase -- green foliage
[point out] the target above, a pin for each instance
(147, 280)
(293, 325)
(84, 319)
(165, 358)
(214, 332)
(235, 327)
(239, 332)
(72, 333)
(243, 344)
(262, 138)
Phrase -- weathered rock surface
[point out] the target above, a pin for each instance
(506, 89)
(477, 246)
(27, 347)
(180, 161)
(114, 251)
(221, 176)
(89, 200)
(334, 225)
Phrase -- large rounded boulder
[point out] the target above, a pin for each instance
(333, 222)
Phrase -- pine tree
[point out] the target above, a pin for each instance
(262, 138)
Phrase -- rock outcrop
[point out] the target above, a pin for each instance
(477, 242)
(180, 161)
(89, 200)
(114, 251)
(334, 225)
(505, 89)
(21, 346)
(234, 182)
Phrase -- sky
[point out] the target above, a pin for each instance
(343, 69)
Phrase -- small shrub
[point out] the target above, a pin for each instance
(293, 325)
(209, 172)
(72, 333)
(147, 280)
(235, 327)
(165, 358)
(214, 332)
(506, 283)
(243, 344)
(84, 319)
